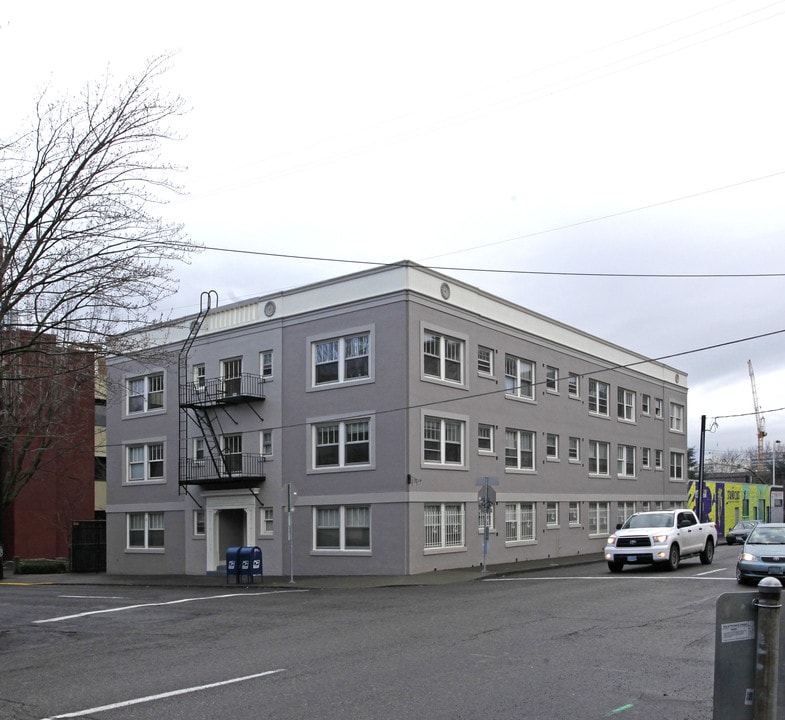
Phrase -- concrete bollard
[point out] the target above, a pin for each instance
(768, 649)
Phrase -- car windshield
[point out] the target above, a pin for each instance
(767, 536)
(650, 521)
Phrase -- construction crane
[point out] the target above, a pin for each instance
(759, 419)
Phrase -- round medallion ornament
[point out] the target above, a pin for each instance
(445, 290)
(269, 308)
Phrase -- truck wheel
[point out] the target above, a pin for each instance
(615, 567)
(673, 557)
(707, 555)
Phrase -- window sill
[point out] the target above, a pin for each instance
(335, 552)
(519, 543)
(444, 551)
(145, 551)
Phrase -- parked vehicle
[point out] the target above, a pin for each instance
(738, 533)
(660, 537)
(763, 554)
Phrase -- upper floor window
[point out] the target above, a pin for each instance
(485, 438)
(484, 360)
(519, 377)
(232, 375)
(519, 449)
(146, 393)
(341, 359)
(677, 417)
(658, 408)
(552, 446)
(200, 376)
(598, 457)
(646, 458)
(443, 440)
(266, 363)
(573, 385)
(145, 462)
(645, 404)
(442, 357)
(625, 463)
(266, 442)
(677, 466)
(598, 397)
(658, 459)
(551, 379)
(575, 449)
(343, 443)
(625, 404)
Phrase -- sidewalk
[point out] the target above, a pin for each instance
(440, 577)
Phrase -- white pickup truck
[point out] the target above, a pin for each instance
(660, 536)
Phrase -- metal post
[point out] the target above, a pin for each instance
(701, 482)
(767, 654)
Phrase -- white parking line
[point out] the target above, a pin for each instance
(162, 696)
(158, 604)
(608, 577)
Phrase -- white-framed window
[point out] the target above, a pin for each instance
(574, 385)
(598, 518)
(200, 449)
(442, 356)
(645, 505)
(646, 458)
(342, 528)
(598, 397)
(342, 443)
(484, 360)
(199, 526)
(145, 393)
(625, 404)
(266, 364)
(624, 509)
(658, 408)
(551, 379)
(486, 517)
(519, 377)
(519, 449)
(676, 465)
(551, 446)
(341, 359)
(266, 442)
(599, 452)
(645, 404)
(677, 418)
(485, 438)
(146, 462)
(199, 376)
(658, 459)
(443, 440)
(444, 526)
(519, 522)
(232, 452)
(575, 450)
(551, 514)
(266, 521)
(232, 376)
(574, 514)
(625, 461)
(145, 530)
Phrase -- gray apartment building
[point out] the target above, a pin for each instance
(349, 427)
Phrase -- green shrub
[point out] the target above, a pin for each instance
(39, 566)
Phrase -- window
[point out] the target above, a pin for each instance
(442, 357)
(343, 528)
(519, 449)
(677, 417)
(444, 526)
(266, 363)
(574, 517)
(519, 524)
(519, 377)
(485, 438)
(145, 530)
(598, 397)
(199, 522)
(200, 377)
(677, 466)
(146, 394)
(598, 457)
(341, 359)
(551, 446)
(267, 442)
(646, 458)
(232, 452)
(266, 521)
(625, 461)
(146, 462)
(645, 404)
(551, 514)
(232, 375)
(658, 408)
(598, 518)
(575, 449)
(344, 443)
(623, 510)
(573, 385)
(626, 404)
(658, 459)
(551, 379)
(442, 441)
(484, 360)
(199, 449)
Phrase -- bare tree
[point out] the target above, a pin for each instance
(83, 258)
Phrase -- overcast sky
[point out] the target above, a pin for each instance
(601, 150)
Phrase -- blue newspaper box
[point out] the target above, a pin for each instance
(232, 564)
(249, 563)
